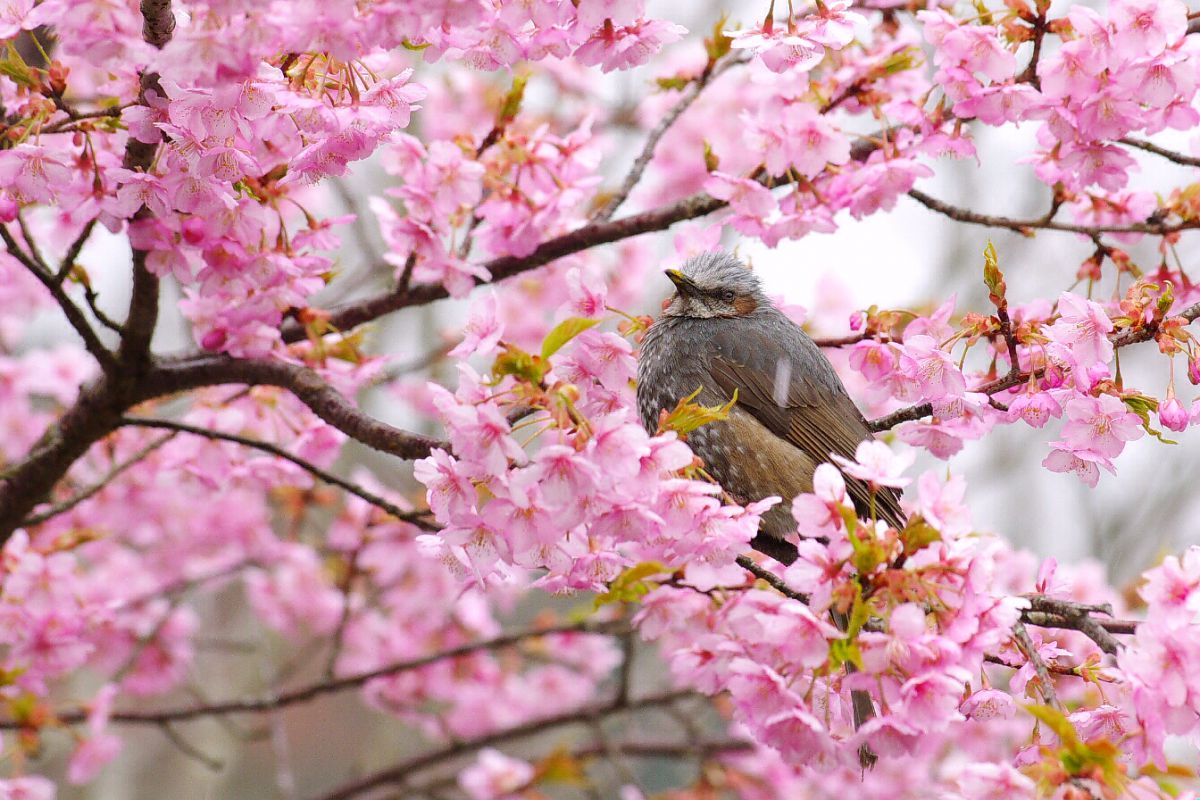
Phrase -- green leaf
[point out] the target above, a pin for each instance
(985, 13)
(413, 46)
(902, 60)
(1056, 721)
(688, 416)
(859, 613)
(512, 100)
(993, 278)
(711, 162)
(15, 68)
(560, 767)
(1078, 757)
(631, 585)
(718, 44)
(564, 332)
(1142, 405)
(516, 362)
(1167, 298)
(673, 83)
(918, 534)
(842, 651)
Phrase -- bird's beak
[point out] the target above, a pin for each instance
(681, 281)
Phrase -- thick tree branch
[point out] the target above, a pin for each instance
(584, 238)
(1051, 612)
(101, 402)
(417, 518)
(158, 23)
(309, 387)
(94, 415)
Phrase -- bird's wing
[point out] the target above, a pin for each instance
(807, 407)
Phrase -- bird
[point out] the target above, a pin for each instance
(789, 412)
(721, 335)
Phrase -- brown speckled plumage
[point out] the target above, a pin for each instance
(792, 411)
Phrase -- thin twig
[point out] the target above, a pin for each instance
(68, 260)
(190, 750)
(1026, 227)
(72, 312)
(586, 714)
(1151, 147)
(1045, 682)
(690, 93)
(312, 691)
(777, 583)
(109, 477)
(1122, 338)
(414, 517)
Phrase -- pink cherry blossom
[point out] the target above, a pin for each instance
(877, 464)
(1100, 424)
(1083, 327)
(1084, 463)
(495, 776)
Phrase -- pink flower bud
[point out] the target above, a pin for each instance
(1172, 414)
(8, 209)
(194, 229)
(1052, 377)
(213, 340)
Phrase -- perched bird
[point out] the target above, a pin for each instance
(720, 334)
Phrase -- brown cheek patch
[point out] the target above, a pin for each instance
(744, 305)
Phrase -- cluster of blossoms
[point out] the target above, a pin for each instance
(209, 137)
(598, 504)
(528, 186)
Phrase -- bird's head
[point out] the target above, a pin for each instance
(713, 284)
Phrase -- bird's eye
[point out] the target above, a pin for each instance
(727, 296)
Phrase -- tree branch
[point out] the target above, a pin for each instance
(94, 415)
(584, 238)
(1026, 227)
(1051, 612)
(158, 23)
(1045, 682)
(401, 772)
(109, 477)
(415, 517)
(1170, 155)
(72, 312)
(309, 387)
(690, 93)
(1122, 338)
(312, 691)
(777, 583)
